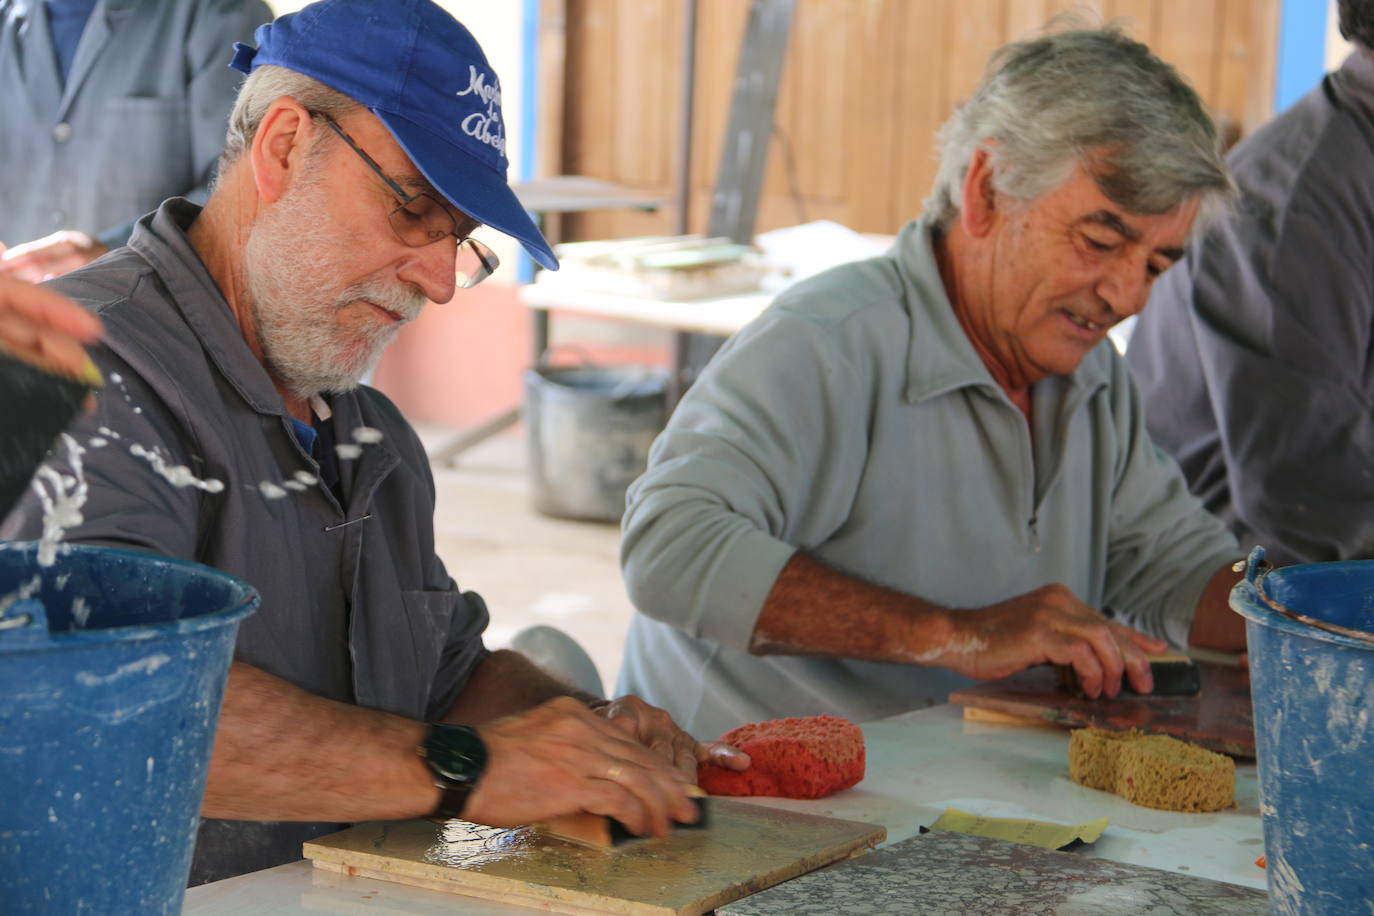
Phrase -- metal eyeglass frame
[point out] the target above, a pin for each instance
(403, 220)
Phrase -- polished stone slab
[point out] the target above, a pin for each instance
(955, 873)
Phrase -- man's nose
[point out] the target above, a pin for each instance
(1125, 287)
(431, 269)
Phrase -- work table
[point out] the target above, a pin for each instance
(918, 764)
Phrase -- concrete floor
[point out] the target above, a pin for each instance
(530, 568)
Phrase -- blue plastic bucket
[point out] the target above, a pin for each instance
(1311, 637)
(112, 667)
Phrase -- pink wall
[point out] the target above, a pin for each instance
(461, 363)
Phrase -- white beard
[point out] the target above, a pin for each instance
(293, 261)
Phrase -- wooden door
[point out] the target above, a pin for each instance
(866, 85)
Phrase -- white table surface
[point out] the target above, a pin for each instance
(918, 764)
(575, 193)
(714, 315)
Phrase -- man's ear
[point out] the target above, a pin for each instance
(279, 147)
(978, 201)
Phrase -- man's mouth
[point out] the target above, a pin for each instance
(1085, 323)
(386, 313)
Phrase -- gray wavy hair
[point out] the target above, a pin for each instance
(260, 89)
(1089, 97)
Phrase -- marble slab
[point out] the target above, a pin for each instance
(956, 873)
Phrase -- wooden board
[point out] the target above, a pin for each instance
(1219, 718)
(745, 848)
(956, 873)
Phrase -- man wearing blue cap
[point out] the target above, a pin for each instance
(365, 147)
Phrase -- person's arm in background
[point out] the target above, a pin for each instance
(1169, 561)
(1215, 625)
(775, 431)
(44, 328)
(51, 256)
(1296, 412)
(1277, 309)
(210, 94)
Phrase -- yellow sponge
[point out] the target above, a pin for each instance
(1152, 770)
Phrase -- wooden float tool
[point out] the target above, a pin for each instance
(601, 832)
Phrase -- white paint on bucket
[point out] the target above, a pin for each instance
(146, 665)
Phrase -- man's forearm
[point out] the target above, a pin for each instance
(814, 609)
(506, 683)
(282, 754)
(1215, 625)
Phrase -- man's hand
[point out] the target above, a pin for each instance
(1051, 625)
(43, 328)
(561, 758)
(814, 609)
(655, 729)
(51, 256)
(282, 754)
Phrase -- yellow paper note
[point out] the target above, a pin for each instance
(1016, 830)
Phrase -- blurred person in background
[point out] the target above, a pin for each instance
(1256, 356)
(110, 107)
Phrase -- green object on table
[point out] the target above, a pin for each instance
(1043, 834)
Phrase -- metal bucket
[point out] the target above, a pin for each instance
(588, 430)
(112, 668)
(1311, 639)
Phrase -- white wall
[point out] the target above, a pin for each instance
(1336, 47)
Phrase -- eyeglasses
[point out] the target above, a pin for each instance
(420, 220)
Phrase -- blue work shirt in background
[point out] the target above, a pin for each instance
(140, 116)
(66, 20)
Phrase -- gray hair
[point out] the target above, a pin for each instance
(1089, 97)
(264, 86)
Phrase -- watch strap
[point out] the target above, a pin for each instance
(452, 801)
(456, 758)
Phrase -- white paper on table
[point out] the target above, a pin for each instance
(797, 252)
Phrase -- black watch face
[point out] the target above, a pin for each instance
(456, 752)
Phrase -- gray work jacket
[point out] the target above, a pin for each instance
(1255, 355)
(141, 118)
(356, 605)
(855, 421)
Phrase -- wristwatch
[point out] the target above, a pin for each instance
(456, 756)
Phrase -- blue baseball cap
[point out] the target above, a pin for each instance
(425, 77)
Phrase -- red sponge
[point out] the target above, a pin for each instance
(793, 758)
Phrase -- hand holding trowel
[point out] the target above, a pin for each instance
(45, 375)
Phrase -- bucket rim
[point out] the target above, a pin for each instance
(609, 384)
(1249, 599)
(245, 601)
